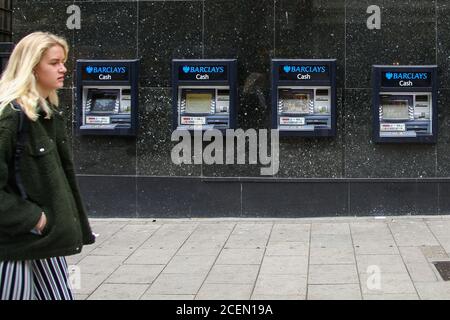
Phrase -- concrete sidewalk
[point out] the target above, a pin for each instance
(321, 258)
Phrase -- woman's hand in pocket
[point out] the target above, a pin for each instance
(42, 223)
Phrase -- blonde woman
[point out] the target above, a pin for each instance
(42, 218)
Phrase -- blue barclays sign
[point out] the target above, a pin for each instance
(203, 69)
(304, 69)
(405, 79)
(406, 75)
(105, 69)
(105, 73)
(202, 73)
(304, 72)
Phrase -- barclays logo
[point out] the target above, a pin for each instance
(103, 69)
(304, 69)
(406, 75)
(203, 69)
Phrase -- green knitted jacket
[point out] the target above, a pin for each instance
(49, 179)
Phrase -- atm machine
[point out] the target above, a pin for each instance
(204, 94)
(404, 104)
(107, 97)
(304, 97)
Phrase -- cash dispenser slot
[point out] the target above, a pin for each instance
(208, 107)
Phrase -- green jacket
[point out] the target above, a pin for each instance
(49, 179)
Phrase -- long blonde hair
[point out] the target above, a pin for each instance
(18, 80)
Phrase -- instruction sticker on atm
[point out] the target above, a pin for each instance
(98, 120)
(193, 120)
(393, 127)
(292, 121)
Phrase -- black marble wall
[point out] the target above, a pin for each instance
(253, 31)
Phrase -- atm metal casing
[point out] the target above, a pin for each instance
(96, 81)
(309, 123)
(221, 87)
(417, 122)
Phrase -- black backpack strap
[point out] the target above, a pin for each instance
(22, 137)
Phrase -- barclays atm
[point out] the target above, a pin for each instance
(404, 104)
(304, 97)
(107, 97)
(204, 94)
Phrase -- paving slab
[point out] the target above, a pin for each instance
(280, 284)
(244, 274)
(290, 232)
(224, 291)
(330, 228)
(375, 247)
(284, 265)
(240, 256)
(433, 290)
(412, 233)
(190, 264)
(334, 292)
(386, 263)
(412, 255)
(421, 272)
(89, 283)
(433, 253)
(389, 283)
(119, 292)
(171, 283)
(319, 255)
(331, 241)
(93, 264)
(333, 274)
(287, 248)
(151, 256)
(139, 274)
(206, 247)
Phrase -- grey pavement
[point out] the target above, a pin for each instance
(259, 259)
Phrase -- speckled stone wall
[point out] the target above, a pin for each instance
(254, 31)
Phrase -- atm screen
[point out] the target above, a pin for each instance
(198, 102)
(295, 102)
(104, 101)
(395, 109)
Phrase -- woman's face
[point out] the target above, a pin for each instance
(51, 70)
